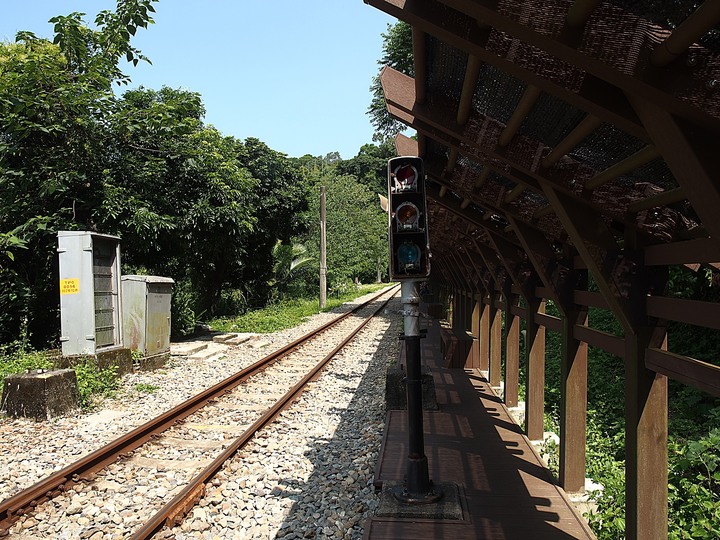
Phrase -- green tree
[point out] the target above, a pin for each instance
(398, 54)
(279, 201)
(53, 101)
(369, 166)
(288, 260)
(356, 230)
(177, 193)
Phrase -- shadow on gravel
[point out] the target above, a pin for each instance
(338, 497)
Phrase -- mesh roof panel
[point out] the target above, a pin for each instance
(497, 93)
(607, 145)
(445, 70)
(551, 120)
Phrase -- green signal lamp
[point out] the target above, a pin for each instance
(408, 255)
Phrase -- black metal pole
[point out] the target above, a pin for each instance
(418, 488)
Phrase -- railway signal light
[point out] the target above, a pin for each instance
(407, 216)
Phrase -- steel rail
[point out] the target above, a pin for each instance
(83, 469)
(175, 510)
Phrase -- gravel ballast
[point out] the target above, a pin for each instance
(308, 475)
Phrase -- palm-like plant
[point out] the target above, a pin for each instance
(287, 260)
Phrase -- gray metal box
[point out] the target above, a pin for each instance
(146, 313)
(90, 309)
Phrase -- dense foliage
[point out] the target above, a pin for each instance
(694, 420)
(233, 222)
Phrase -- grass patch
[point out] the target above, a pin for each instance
(15, 359)
(95, 383)
(286, 314)
(145, 388)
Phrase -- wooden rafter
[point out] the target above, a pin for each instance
(691, 154)
(634, 86)
(596, 97)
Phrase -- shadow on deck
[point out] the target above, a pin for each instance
(505, 490)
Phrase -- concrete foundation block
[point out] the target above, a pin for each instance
(150, 363)
(40, 394)
(449, 506)
(121, 357)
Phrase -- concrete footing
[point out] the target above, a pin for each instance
(449, 506)
(40, 394)
(118, 356)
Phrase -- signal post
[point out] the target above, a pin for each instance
(410, 264)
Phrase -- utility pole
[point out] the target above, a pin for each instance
(323, 251)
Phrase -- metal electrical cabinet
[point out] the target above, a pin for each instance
(90, 306)
(146, 314)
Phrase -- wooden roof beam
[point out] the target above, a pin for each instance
(489, 209)
(492, 262)
(705, 18)
(596, 97)
(472, 73)
(419, 63)
(580, 12)
(510, 257)
(477, 265)
(587, 126)
(542, 256)
(399, 97)
(661, 199)
(524, 106)
(649, 88)
(691, 155)
(593, 242)
(638, 159)
(466, 215)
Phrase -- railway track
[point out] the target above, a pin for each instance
(206, 430)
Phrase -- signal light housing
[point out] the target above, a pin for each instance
(407, 219)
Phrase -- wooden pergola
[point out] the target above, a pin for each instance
(573, 149)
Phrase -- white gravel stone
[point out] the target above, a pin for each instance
(308, 475)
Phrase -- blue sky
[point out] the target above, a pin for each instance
(295, 74)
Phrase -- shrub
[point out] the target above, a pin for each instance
(694, 487)
(94, 382)
(183, 317)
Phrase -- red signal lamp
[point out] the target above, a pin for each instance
(406, 177)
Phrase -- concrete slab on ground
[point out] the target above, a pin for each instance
(213, 349)
(187, 348)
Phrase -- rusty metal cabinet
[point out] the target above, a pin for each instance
(146, 313)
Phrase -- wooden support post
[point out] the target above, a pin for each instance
(512, 358)
(646, 440)
(535, 390)
(484, 338)
(573, 407)
(496, 348)
(467, 311)
(477, 309)
(461, 312)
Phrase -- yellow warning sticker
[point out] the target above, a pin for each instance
(69, 286)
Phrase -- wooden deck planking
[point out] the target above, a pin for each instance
(472, 441)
